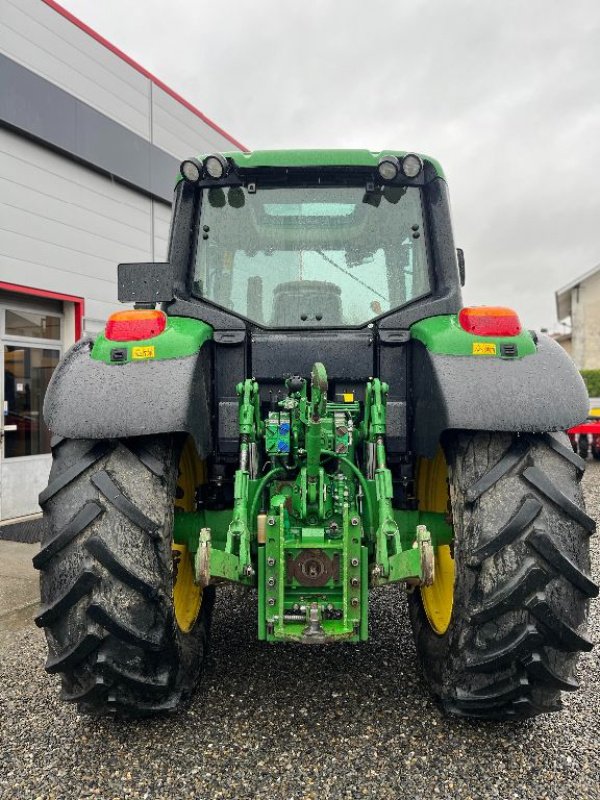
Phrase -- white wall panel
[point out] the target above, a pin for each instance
(48, 176)
(179, 131)
(63, 227)
(162, 223)
(17, 473)
(35, 35)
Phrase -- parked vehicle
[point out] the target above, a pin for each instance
(299, 403)
(585, 437)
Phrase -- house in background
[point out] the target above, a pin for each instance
(579, 301)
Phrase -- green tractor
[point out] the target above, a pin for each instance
(299, 403)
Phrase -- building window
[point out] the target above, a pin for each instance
(32, 324)
(31, 349)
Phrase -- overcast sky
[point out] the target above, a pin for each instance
(505, 94)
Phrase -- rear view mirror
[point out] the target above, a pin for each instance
(145, 282)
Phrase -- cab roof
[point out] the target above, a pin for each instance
(318, 158)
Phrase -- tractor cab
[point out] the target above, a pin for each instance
(301, 257)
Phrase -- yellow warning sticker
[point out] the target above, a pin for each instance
(484, 349)
(348, 397)
(142, 352)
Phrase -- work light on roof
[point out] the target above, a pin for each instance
(411, 165)
(191, 169)
(216, 166)
(388, 167)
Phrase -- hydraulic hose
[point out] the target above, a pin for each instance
(260, 489)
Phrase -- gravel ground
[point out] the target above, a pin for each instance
(345, 722)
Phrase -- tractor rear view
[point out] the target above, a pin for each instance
(299, 403)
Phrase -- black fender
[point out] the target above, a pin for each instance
(89, 399)
(537, 393)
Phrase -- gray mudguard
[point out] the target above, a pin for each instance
(88, 399)
(540, 392)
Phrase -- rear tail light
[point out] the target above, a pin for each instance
(127, 326)
(490, 321)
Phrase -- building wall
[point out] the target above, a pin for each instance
(63, 225)
(90, 145)
(577, 326)
(89, 152)
(33, 34)
(591, 328)
(45, 39)
(585, 320)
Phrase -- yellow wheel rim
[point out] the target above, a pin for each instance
(187, 597)
(432, 493)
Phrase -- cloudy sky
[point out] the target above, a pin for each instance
(506, 94)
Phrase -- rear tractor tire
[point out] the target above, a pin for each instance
(499, 632)
(125, 624)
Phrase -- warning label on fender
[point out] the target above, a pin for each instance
(484, 349)
(142, 352)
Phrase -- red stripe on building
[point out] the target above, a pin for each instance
(78, 302)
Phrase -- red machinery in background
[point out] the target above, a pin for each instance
(586, 437)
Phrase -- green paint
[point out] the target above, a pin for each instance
(364, 593)
(317, 158)
(407, 521)
(186, 528)
(367, 491)
(182, 337)
(225, 565)
(405, 564)
(262, 614)
(445, 336)
(322, 514)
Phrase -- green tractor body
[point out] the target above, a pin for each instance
(299, 404)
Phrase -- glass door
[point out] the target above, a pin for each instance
(31, 349)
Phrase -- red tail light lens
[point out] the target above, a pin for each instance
(490, 321)
(127, 326)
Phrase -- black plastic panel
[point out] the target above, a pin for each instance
(145, 283)
(348, 356)
(392, 349)
(230, 369)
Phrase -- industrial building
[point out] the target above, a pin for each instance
(90, 144)
(579, 303)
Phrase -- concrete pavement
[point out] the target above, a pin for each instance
(19, 582)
